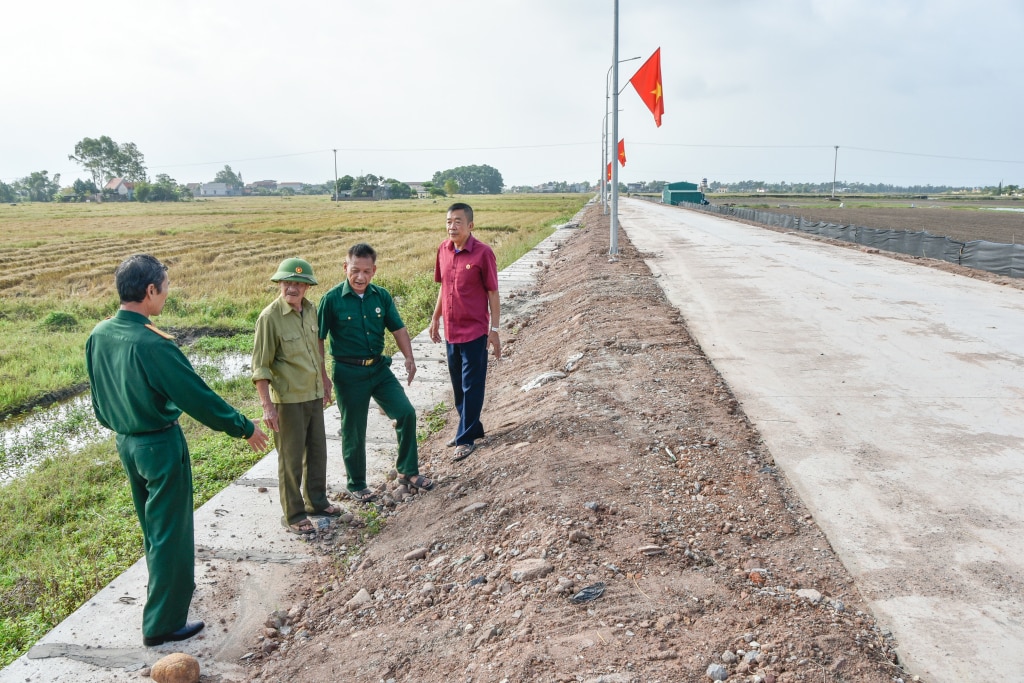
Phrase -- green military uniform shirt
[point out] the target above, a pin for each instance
(286, 352)
(356, 324)
(141, 381)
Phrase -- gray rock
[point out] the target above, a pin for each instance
(360, 599)
(528, 570)
(542, 379)
(417, 554)
(717, 672)
(809, 594)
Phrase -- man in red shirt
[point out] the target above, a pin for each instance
(471, 307)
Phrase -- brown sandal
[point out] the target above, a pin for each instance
(302, 528)
(416, 481)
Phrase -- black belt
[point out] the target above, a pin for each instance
(358, 361)
(156, 431)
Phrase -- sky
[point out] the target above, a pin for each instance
(927, 92)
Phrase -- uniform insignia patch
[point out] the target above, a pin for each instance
(154, 328)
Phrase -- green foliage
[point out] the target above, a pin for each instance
(228, 177)
(38, 187)
(104, 159)
(435, 420)
(70, 526)
(142, 191)
(471, 179)
(7, 193)
(58, 321)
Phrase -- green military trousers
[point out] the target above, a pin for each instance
(354, 385)
(160, 474)
(301, 459)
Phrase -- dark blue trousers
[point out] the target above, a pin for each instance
(467, 366)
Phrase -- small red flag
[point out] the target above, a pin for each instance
(622, 151)
(609, 171)
(647, 81)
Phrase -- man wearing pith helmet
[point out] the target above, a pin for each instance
(294, 389)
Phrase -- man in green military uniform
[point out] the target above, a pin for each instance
(355, 315)
(291, 379)
(141, 383)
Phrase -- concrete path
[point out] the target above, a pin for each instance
(244, 558)
(892, 395)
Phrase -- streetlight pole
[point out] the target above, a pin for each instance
(605, 156)
(335, 174)
(613, 242)
(834, 167)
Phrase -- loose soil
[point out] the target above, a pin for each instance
(632, 466)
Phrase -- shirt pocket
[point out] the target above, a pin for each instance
(292, 343)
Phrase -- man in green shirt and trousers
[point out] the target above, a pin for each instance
(291, 379)
(355, 315)
(141, 383)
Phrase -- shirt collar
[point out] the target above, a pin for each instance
(346, 289)
(131, 315)
(284, 308)
(468, 246)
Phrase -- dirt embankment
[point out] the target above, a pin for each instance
(632, 467)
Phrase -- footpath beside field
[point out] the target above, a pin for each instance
(245, 560)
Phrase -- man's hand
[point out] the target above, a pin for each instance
(434, 330)
(494, 341)
(258, 441)
(328, 389)
(270, 417)
(410, 368)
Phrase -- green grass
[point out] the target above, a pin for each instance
(70, 526)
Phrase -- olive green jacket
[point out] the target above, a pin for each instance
(142, 382)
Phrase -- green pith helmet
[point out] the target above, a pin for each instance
(294, 270)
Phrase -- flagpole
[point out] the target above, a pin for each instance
(613, 242)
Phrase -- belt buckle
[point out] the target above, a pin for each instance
(369, 361)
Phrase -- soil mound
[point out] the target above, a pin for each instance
(617, 456)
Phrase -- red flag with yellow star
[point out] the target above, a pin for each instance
(609, 171)
(622, 151)
(647, 81)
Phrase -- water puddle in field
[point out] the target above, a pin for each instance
(67, 426)
(1004, 208)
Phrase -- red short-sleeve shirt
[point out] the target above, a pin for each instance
(466, 276)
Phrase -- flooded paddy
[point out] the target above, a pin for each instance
(69, 425)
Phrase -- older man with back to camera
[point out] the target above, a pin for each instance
(141, 383)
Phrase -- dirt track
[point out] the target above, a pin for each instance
(635, 469)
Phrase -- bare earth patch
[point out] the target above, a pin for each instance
(632, 466)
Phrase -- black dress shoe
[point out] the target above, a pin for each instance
(184, 633)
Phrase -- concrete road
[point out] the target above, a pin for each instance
(892, 395)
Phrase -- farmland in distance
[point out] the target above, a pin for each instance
(57, 264)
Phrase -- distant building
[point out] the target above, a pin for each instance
(420, 189)
(122, 187)
(218, 190)
(294, 187)
(264, 184)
